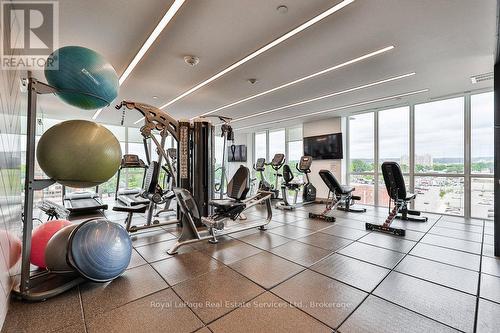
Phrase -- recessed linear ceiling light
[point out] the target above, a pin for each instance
(394, 78)
(339, 108)
(147, 44)
(324, 71)
(263, 49)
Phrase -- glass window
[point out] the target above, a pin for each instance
(440, 195)
(482, 198)
(260, 145)
(439, 136)
(276, 143)
(361, 142)
(295, 152)
(394, 136)
(482, 140)
(364, 187)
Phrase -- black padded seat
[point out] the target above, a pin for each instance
(131, 209)
(395, 182)
(332, 183)
(410, 196)
(226, 204)
(237, 190)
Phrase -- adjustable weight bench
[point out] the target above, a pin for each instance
(396, 188)
(339, 197)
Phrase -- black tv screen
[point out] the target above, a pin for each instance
(324, 147)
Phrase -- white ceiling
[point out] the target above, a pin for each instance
(443, 41)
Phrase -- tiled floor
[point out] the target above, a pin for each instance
(300, 275)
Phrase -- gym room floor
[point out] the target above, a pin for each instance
(301, 275)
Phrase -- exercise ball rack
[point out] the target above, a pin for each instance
(39, 285)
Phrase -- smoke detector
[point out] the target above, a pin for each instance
(191, 60)
(282, 9)
(481, 77)
(252, 81)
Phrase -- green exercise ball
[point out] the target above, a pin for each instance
(84, 78)
(79, 153)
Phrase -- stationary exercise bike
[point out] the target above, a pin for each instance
(308, 189)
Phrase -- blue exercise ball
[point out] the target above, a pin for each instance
(83, 77)
(100, 250)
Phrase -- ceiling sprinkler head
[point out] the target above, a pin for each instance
(282, 9)
(252, 81)
(191, 60)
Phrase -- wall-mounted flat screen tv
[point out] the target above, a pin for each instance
(324, 147)
(237, 153)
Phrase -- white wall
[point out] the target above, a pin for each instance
(326, 126)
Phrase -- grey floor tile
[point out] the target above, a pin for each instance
(228, 251)
(453, 243)
(450, 276)
(350, 223)
(160, 312)
(490, 287)
(267, 313)
(491, 266)
(488, 320)
(416, 226)
(489, 239)
(488, 250)
(454, 233)
(300, 253)
(459, 226)
(185, 266)
(266, 269)
(264, 240)
(135, 283)
(291, 231)
(372, 254)
(344, 232)
(136, 260)
(445, 305)
(325, 241)
(158, 251)
(44, 316)
(216, 293)
(447, 256)
(312, 224)
(376, 315)
(286, 218)
(351, 271)
(328, 300)
(389, 242)
(76, 328)
(149, 237)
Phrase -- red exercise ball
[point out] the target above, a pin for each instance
(40, 238)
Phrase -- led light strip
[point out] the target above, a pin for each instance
(308, 77)
(147, 44)
(263, 49)
(372, 84)
(339, 108)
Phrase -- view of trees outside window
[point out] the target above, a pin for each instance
(362, 150)
(439, 149)
(439, 154)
